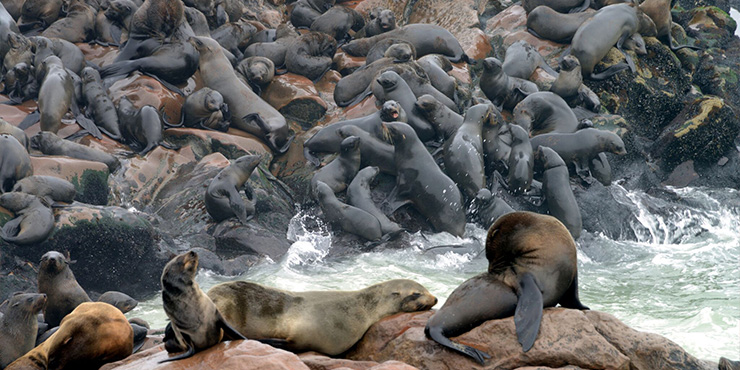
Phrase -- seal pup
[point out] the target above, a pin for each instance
(18, 134)
(55, 188)
(33, 222)
(310, 55)
(426, 38)
(349, 218)
(422, 183)
(502, 90)
(358, 195)
(205, 109)
(522, 59)
(222, 197)
(557, 191)
(121, 301)
(543, 112)
(340, 171)
(99, 105)
(463, 153)
(141, 129)
(256, 72)
(373, 151)
(610, 26)
(196, 322)
(249, 112)
(327, 139)
(444, 120)
(92, 335)
(330, 322)
(51, 144)
(15, 163)
(583, 145)
(57, 96)
(398, 50)
(548, 24)
(521, 160)
(19, 326)
(381, 20)
(532, 264)
(57, 281)
(395, 88)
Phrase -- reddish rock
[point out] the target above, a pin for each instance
(296, 98)
(143, 90)
(233, 143)
(317, 361)
(567, 339)
(345, 63)
(233, 355)
(89, 178)
(16, 113)
(97, 54)
(456, 19)
(510, 26)
(144, 176)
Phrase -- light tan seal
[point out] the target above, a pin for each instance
(329, 322)
(15, 163)
(94, 334)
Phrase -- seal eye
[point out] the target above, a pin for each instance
(395, 294)
(415, 295)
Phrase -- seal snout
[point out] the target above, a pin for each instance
(492, 64)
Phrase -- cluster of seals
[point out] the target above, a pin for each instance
(531, 265)
(351, 219)
(222, 196)
(329, 322)
(195, 321)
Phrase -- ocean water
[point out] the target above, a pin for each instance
(735, 14)
(680, 278)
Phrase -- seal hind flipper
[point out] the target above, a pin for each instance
(30, 120)
(570, 297)
(236, 203)
(11, 229)
(438, 336)
(393, 202)
(189, 353)
(611, 71)
(528, 313)
(275, 342)
(85, 122)
(675, 47)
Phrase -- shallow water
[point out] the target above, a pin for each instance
(735, 14)
(680, 278)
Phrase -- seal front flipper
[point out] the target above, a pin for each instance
(30, 120)
(393, 202)
(528, 313)
(237, 205)
(570, 297)
(229, 331)
(435, 332)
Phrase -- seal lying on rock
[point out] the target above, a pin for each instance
(58, 189)
(329, 322)
(34, 220)
(531, 264)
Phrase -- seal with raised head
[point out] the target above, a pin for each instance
(504, 91)
(422, 183)
(660, 12)
(548, 24)
(58, 189)
(569, 85)
(33, 222)
(249, 112)
(557, 191)
(19, 326)
(522, 59)
(350, 219)
(141, 128)
(329, 322)
(610, 26)
(581, 146)
(51, 144)
(92, 335)
(543, 112)
(463, 153)
(15, 163)
(310, 55)
(531, 264)
(373, 151)
(195, 321)
(358, 195)
(222, 197)
(444, 120)
(99, 105)
(436, 68)
(487, 208)
(340, 171)
(426, 38)
(121, 301)
(57, 281)
(521, 160)
(381, 20)
(395, 88)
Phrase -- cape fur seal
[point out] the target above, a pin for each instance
(195, 321)
(338, 21)
(51, 144)
(444, 120)
(222, 197)
(544, 112)
(57, 281)
(19, 326)
(660, 12)
(92, 335)
(463, 153)
(18, 134)
(141, 129)
(395, 88)
(548, 24)
(557, 191)
(581, 146)
(121, 301)
(58, 189)
(99, 105)
(562, 6)
(329, 322)
(340, 171)
(77, 26)
(206, 109)
(15, 163)
(351, 219)
(426, 38)
(521, 160)
(373, 151)
(504, 91)
(522, 59)
(33, 222)
(311, 55)
(532, 264)
(359, 195)
(381, 20)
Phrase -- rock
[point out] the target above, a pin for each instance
(296, 98)
(682, 175)
(316, 361)
(144, 90)
(232, 144)
(346, 64)
(601, 212)
(510, 26)
(568, 338)
(16, 275)
(89, 178)
(704, 131)
(232, 355)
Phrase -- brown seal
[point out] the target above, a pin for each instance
(256, 72)
(338, 21)
(305, 12)
(310, 55)
(381, 20)
(463, 152)
(359, 195)
(57, 281)
(522, 59)
(373, 151)
(249, 112)
(99, 105)
(329, 322)
(222, 197)
(77, 26)
(15, 163)
(44, 11)
(233, 36)
(33, 221)
(196, 322)
(92, 335)
(444, 120)
(660, 12)
(19, 326)
(532, 264)
(206, 109)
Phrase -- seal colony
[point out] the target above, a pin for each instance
(442, 145)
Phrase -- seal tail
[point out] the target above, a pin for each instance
(611, 71)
